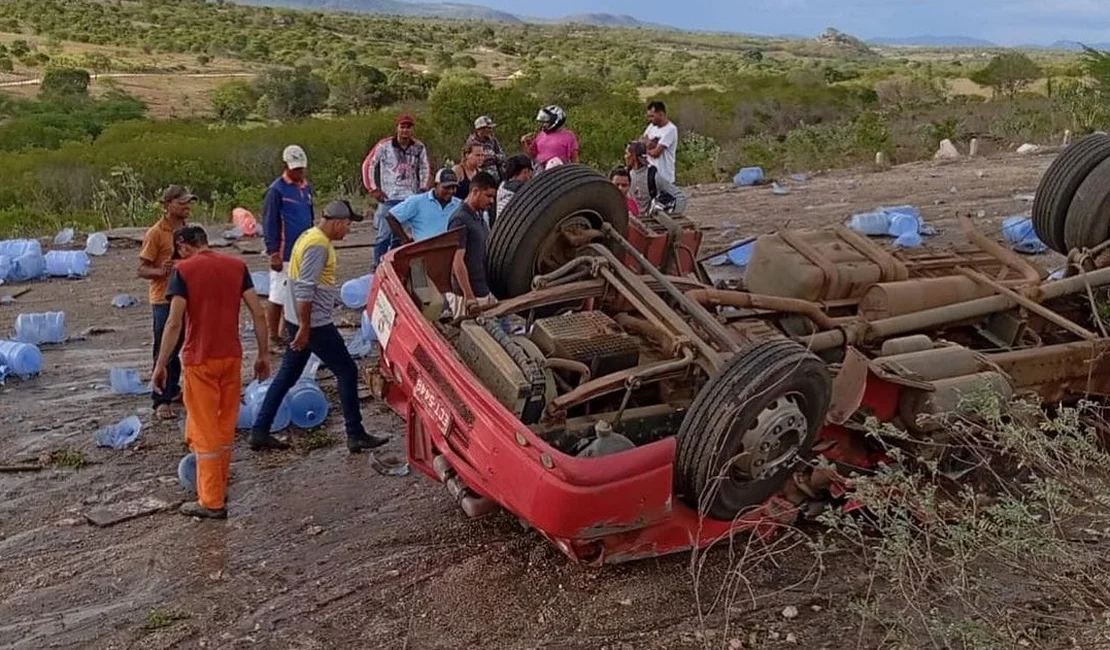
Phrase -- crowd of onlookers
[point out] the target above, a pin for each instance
(196, 293)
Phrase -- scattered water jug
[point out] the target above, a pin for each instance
(748, 176)
(22, 359)
(359, 346)
(244, 221)
(1018, 231)
(67, 264)
(187, 472)
(368, 332)
(64, 237)
(870, 223)
(5, 267)
(123, 301)
(96, 244)
(246, 417)
(45, 327)
(355, 292)
(3, 373)
(741, 254)
(256, 394)
(261, 282)
(118, 436)
(126, 381)
(13, 248)
(28, 266)
(308, 404)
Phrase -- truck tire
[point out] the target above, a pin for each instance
(1088, 223)
(524, 243)
(1059, 184)
(748, 426)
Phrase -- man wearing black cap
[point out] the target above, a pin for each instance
(311, 328)
(156, 263)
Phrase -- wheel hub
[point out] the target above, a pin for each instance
(773, 441)
(559, 246)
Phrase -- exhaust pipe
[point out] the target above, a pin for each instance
(473, 505)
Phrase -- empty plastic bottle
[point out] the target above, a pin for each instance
(67, 264)
(36, 329)
(126, 381)
(308, 405)
(741, 254)
(246, 417)
(118, 436)
(261, 281)
(3, 373)
(368, 332)
(870, 223)
(96, 244)
(5, 267)
(27, 266)
(748, 176)
(355, 292)
(22, 359)
(13, 248)
(187, 472)
(64, 237)
(123, 301)
(256, 394)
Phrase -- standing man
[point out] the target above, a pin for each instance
(156, 263)
(484, 138)
(661, 139)
(469, 288)
(396, 168)
(426, 214)
(205, 291)
(286, 213)
(310, 322)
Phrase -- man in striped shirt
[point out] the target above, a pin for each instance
(396, 168)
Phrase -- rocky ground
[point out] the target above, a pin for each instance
(323, 551)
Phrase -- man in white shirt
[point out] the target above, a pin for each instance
(661, 138)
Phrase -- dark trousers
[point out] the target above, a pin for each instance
(161, 315)
(327, 343)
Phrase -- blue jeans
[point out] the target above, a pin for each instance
(327, 343)
(385, 240)
(161, 315)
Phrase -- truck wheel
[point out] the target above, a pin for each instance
(1088, 223)
(748, 425)
(528, 238)
(1059, 185)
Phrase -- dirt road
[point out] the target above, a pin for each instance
(321, 551)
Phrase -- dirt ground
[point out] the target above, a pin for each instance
(322, 551)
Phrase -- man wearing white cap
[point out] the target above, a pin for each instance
(286, 214)
(483, 137)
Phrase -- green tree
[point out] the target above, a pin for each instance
(6, 63)
(292, 94)
(1008, 74)
(60, 83)
(20, 48)
(233, 101)
(357, 88)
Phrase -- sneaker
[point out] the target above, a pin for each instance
(265, 441)
(194, 509)
(364, 441)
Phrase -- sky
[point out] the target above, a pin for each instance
(1006, 22)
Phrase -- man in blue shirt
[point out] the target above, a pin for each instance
(426, 215)
(286, 214)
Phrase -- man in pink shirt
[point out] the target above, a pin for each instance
(553, 141)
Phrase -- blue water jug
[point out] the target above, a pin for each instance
(261, 281)
(22, 359)
(36, 329)
(14, 248)
(246, 417)
(126, 381)
(368, 331)
(5, 267)
(67, 264)
(308, 405)
(748, 176)
(96, 244)
(187, 472)
(355, 292)
(870, 223)
(27, 266)
(256, 394)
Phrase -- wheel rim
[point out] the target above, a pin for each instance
(561, 244)
(772, 441)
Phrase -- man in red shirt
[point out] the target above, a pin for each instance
(208, 287)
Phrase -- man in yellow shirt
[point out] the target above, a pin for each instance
(309, 316)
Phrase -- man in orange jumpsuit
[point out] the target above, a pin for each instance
(207, 288)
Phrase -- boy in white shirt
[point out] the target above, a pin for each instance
(661, 138)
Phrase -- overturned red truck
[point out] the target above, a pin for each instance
(634, 408)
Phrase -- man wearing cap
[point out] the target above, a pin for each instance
(156, 263)
(483, 137)
(286, 213)
(395, 169)
(206, 289)
(426, 214)
(309, 320)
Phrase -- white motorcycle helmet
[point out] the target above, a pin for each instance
(551, 117)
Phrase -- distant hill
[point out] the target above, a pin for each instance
(1073, 46)
(932, 41)
(454, 10)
